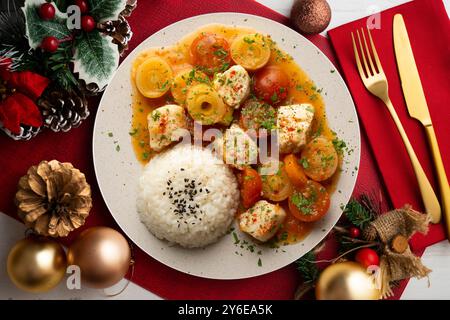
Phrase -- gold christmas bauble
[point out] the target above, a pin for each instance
(346, 281)
(103, 256)
(311, 16)
(36, 264)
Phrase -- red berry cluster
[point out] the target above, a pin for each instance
(88, 23)
(47, 12)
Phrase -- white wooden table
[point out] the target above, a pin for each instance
(436, 257)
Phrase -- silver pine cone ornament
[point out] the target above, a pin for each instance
(63, 110)
(53, 198)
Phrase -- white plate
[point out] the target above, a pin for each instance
(118, 171)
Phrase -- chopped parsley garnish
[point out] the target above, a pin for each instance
(224, 67)
(339, 145)
(221, 53)
(303, 203)
(274, 97)
(259, 262)
(325, 160)
(304, 162)
(117, 148)
(164, 86)
(110, 134)
(248, 40)
(156, 115)
(133, 132)
(235, 236)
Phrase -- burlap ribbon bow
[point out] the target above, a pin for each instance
(394, 229)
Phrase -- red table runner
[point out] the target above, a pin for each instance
(429, 30)
(76, 145)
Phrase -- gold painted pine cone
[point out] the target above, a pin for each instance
(53, 198)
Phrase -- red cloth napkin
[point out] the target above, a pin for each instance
(76, 145)
(428, 28)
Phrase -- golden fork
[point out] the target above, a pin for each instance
(376, 83)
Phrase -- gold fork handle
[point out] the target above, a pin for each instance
(442, 177)
(429, 198)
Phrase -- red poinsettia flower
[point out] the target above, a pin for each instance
(19, 91)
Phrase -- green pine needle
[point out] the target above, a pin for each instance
(358, 214)
(307, 267)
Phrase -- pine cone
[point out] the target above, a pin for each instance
(26, 133)
(53, 198)
(130, 6)
(63, 110)
(119, 30)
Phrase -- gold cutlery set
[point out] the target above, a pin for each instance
(375, 81)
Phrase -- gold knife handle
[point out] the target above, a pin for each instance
(429, 198)
(441, 175)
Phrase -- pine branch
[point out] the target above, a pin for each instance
(12, 26)
(307, 267)
(357, 214)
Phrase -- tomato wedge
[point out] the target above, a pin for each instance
(251, 187)
(295, 171)
(309, 203)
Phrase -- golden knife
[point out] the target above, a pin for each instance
(418, 108)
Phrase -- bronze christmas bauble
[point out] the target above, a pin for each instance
(311, 16)
(36, 264)
(103, 256)
(346, 281)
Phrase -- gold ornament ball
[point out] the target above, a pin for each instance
(346, 281)
(36, 264)
(311, 16)
(103, 256)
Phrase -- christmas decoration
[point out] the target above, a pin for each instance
(346, 281)
(37, 38)
(63, 110)
(83, 5)
(380, 246)
(103, 256)
(392, 229)
(47, 11)
(367, 257)
(311, 16)
(119, 30)
(53, 198)
(36, 264)
(19, 90)
(354, 232)
(87, 23)
(50, 44)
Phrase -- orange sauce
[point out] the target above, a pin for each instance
(302, 90)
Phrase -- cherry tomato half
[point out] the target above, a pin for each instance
(251, 187)
(309, 203)
(211, 53)
(271, 84)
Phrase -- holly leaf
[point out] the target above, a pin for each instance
(103, 10)
(96, 58)
(37, 29)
